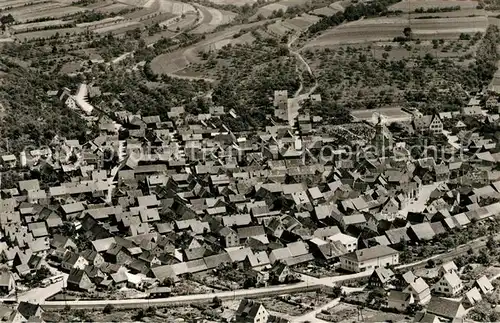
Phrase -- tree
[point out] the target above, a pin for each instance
(7, 19)
(336, 291)
(484, 257)
(491, 244)
(407, 32)
(431, 263)
(108, 309)
(217, 301)
(250, 282)
(376, 297)
(169, 282)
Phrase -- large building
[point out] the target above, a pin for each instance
(369, 259)
(350, 243)
(251, 312)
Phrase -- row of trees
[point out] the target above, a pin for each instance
(353, 12)
(437, 9)
(484, 68)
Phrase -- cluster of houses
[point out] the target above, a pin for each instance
(149, 200)
(441, 290)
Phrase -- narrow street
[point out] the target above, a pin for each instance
(311, 316)
(297, 54)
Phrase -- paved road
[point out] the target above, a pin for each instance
(40, 294)
(183, 299)
(309, 283)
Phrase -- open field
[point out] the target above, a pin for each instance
(328, 10)
(17, 3)
(411, 5)
(118, 27)
(48, 33)
(140, 14)
(101, 23)
(247, 38)
(212, 18)
(299, 23)
(391, 114)
(178, 23)
(157, 18)
(37, 25)
(238, 3)
(180, 59)
(43, 10)
(267, 10)
(136, 3)
(455, 49)
(27, 9)
(451, 14)
(386, 29)
(113, 7)
(175, 7)
(156, 37)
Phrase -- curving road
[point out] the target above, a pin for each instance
(308, 68)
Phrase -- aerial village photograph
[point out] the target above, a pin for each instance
(262, 161)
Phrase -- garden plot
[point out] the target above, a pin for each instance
(212, 18)
(386, 29)
(347, 313)
(411, 5)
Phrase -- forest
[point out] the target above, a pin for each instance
(31, 117)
